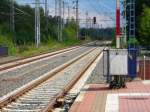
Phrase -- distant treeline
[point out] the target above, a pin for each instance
(24, 25)
(99, 34)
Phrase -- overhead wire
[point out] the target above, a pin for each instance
(98, 11)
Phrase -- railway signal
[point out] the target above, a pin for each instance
(94, 20)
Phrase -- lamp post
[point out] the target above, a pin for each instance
(37, 23)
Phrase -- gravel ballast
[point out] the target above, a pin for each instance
(12, 80)
(98, 73)
(8, 59)
(38, 97)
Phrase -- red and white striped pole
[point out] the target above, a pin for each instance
(118, 24)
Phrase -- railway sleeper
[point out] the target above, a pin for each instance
(25, 107)
(42, 90)
(16, 104)
(42, 94)
(14, 110)
(32, 101)
(33, 97)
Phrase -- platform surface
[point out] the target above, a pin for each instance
(99, 98)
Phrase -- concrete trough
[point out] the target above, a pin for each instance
(3, 51)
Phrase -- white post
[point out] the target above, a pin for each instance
(77, 18)
(37, 23)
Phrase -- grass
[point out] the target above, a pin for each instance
(31, 49)
(51, 45)
(7, 42)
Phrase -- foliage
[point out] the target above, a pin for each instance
(22, 40)
(143, 21)
(140, 4)
(99, 34)
(31, 50)
(6, 41)
(69, 31)
(144, 26)
(133, 41)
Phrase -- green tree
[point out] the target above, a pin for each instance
(140, 7)
(25, 24)
(69, 30)
(144, 27)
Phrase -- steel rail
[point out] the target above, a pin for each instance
(34, 58)
(19, 59)
(24, 89)
(69, 86)
(22, 61)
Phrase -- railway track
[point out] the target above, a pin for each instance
(16, 77)
(42, 93)
(18, 62)
(15, 63)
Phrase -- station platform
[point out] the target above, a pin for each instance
(99, 98)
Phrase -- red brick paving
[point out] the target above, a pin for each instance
(87, 104)
(134, 104)
(95, 98)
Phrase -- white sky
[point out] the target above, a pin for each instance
(103, 10)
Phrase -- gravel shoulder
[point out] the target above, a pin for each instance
(97, 75)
